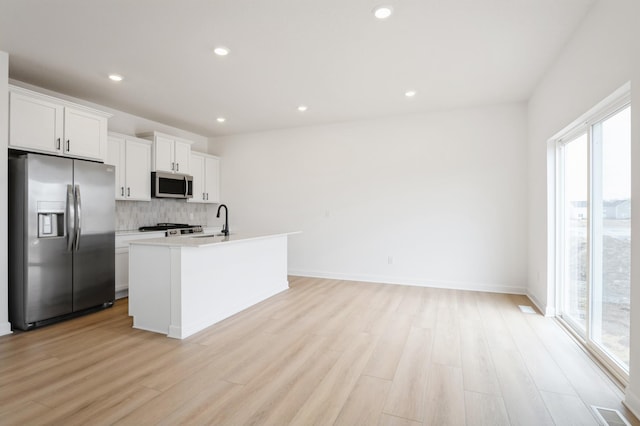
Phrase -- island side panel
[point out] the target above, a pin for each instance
(221, 280)
(150, 287)
(175, 292)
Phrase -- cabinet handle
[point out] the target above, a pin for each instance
(128, 192)
(203, 196)
(122, 191)
(58, 146)
(177, 167)
(207, 196)
(173, 167)
(68, 145)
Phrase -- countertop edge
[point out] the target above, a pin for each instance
(189, 241)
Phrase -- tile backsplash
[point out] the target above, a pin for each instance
(131, 215)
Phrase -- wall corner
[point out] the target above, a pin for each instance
(632, 402)
(5, 326)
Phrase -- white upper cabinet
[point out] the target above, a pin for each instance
(197, 171)
(115, 157)
(163, 153)
(83, 134)
(34, 123)
(182, 156)
(132, 158)
(206, 178)
(138, 169)
(212, 179)
(42, 123)
(169, 153)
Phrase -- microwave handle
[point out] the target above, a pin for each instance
(186, 187)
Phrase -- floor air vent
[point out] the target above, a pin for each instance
(526, 309)
(609, 417)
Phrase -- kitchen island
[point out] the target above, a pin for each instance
(181, 285)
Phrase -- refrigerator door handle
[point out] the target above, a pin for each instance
(78, 217)
(71, 218)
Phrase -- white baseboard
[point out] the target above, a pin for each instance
(418, 282)
(5, 328)
(547, 311)
(121, 294)
(632, 402)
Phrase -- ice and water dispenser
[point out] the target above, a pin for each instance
(50, 219)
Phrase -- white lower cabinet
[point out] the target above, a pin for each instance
(132, 158)
(122, 258)
(122, 271)
(205, 170)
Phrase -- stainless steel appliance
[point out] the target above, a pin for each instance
(61, 238)
(173, 229)
(171, 185)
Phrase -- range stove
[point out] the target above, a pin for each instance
(173, 229)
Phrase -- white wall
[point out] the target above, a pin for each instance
(633, 390)
(593, 65)
(443, 194)
(5, 327)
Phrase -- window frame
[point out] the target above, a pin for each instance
(610, 106)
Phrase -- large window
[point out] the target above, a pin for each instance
(594, 233)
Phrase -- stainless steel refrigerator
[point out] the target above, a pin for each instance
(61, 238)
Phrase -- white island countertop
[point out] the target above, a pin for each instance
(206, 239)
(181, 285)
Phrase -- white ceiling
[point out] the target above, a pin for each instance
(331, 55)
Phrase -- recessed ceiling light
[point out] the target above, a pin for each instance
(221, 119)
(115, 77)
(302, 108)
(382, 12)
(410, 93)
(221, 51)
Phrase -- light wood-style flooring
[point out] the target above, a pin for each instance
(324, 352)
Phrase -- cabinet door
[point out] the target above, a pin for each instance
(138, 170)
(35, 124)
(116, 157)
(84, 134)
(198, 173)
(122, 269)
(163, 154)
(182, 157)
(212, 179)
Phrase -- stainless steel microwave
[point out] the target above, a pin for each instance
(171, 185)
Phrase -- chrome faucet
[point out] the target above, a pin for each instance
(225, 227)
